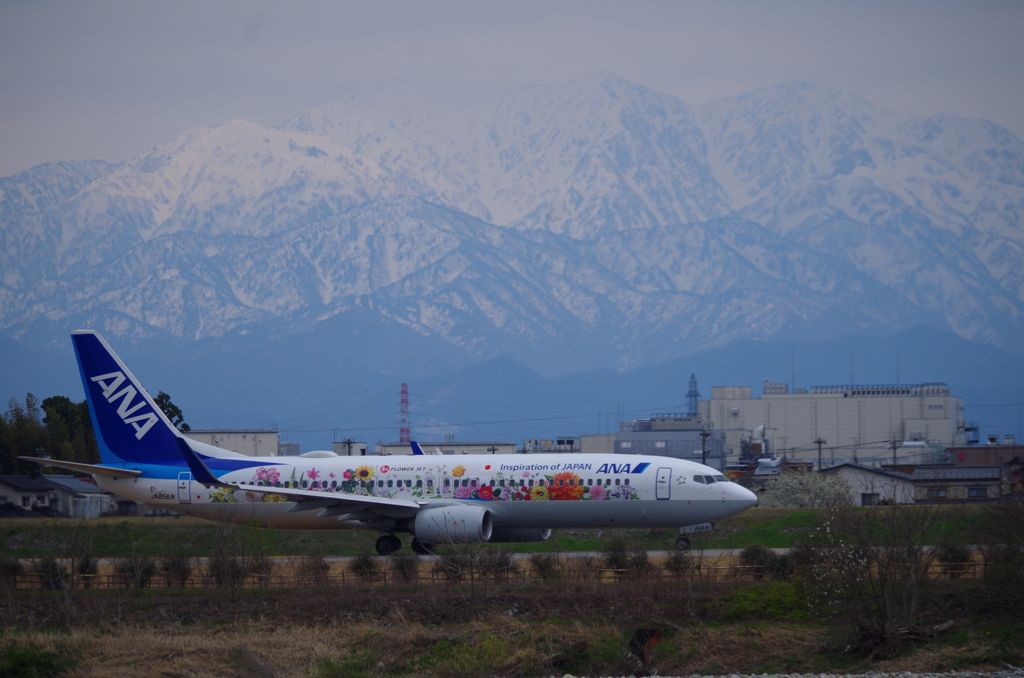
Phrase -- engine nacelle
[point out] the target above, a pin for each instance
(519, 535)
(453, 524)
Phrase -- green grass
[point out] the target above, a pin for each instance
(154, 537)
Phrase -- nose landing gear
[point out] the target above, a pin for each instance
(683, 543)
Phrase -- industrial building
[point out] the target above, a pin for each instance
(449, 447)
(253, 442)
(673, 435)
(854, 424)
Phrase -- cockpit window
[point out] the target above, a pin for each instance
(699, 479)
(721, 479)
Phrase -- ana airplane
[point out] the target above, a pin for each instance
(436, 498)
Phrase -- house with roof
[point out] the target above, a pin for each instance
(959, 484)
(28, 497)
(76, 497)
(870, 486)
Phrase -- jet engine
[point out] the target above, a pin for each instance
(519, 535)
(453, 524)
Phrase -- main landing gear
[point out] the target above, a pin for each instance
(388, 544)
(421, 548)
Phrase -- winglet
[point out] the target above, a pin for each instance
(416, 449)
(200, 472)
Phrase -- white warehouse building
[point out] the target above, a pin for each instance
(856, 423)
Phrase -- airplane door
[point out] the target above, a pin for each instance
(185, 487)
(664, 489)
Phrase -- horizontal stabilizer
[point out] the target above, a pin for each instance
(86, 468)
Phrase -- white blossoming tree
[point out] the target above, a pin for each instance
(802, 489)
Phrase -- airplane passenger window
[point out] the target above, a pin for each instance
(626, 482)
(305, 483)
(380, 483)
(531, 482)
(391, 483)
(616, 481)
(572, 482)
(419, 483)
(590, 482)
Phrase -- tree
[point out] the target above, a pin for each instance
(804, 489)
(172, 411)
(21, 434)
(60, 429)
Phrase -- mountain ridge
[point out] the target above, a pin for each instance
(597, 211)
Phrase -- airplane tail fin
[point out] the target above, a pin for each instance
(416, 449)
(129, 426)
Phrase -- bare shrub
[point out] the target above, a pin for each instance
(10, 569)
(626, 556)
(226, 573)
(546, 566)
(54, 575)
(872, 572)
(365, 567)
(765, 562)
(954, 558)
(134, 571)
(406, 566)
(496, 564)
(314, 570)
(176, 570)
(1003, 538)
(681, 564)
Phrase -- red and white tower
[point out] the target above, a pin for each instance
(403, 416)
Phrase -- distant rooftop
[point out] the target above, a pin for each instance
(934, 388)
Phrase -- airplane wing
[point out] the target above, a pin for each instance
(111, 471)
(305, 500)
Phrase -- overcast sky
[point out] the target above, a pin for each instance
(109, 79)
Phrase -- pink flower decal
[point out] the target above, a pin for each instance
(313, 473)
(267, 476)
(598, 493)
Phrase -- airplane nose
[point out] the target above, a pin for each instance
(743, 497)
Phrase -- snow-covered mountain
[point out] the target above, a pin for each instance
(585, 224)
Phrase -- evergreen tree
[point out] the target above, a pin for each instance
(172, 411)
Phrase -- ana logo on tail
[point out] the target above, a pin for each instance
(141, 422)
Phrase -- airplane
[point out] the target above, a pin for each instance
(437, 499)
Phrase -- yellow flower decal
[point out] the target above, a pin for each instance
(539, 493)
(459, 471)
(364, 472)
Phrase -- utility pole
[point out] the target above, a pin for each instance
(819, 442)
(704, 435)
(894, 444)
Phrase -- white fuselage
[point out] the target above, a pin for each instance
(520, 491)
